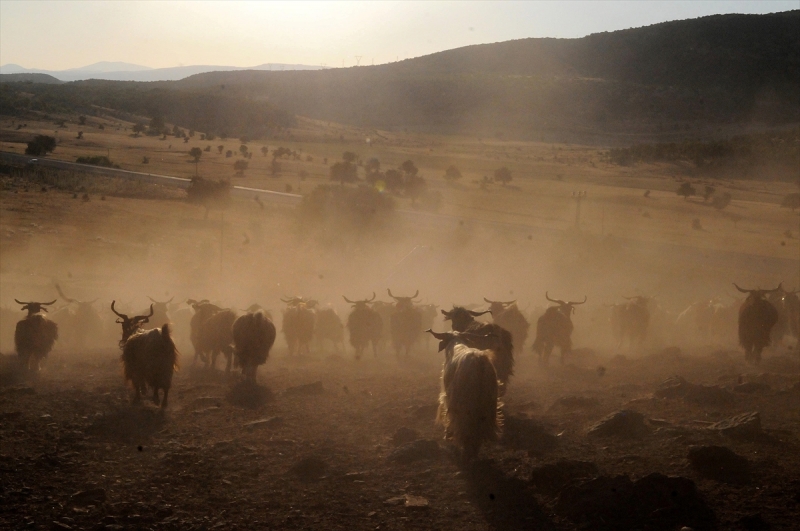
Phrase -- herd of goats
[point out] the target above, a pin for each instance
(479, 355)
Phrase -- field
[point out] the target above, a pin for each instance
(74, 451)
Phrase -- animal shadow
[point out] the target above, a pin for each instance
(507, 502)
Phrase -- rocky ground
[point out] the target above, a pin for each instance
(325, 443)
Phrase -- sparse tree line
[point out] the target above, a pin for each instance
(780, 148)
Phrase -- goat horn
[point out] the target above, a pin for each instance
(373, 297)
(116, 312)
(58, 288)
(574, 303)
(348, 301)
(390, 294)
(547, 296)
(742, 290)
(478, 314)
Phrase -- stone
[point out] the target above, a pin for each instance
(404, 435)
(552, 478)
(752, 388)
(526, 434)
(625, 423)
(746, 426)
(654, 502)
(416, 502)
(418, 450)
(719, 463)
(672, 387)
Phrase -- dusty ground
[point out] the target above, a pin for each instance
(75, 452)
(202, 465)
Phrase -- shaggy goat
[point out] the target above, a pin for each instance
(507, 315)
(130, 325)
(486, 336)
(405, 323)
(216, 336)
(253, 337)
(468, 402)
(35, 335)
(298, 324)
(365, 326)
(149, 359)
(756, 319)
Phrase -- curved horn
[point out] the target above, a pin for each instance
(439, 335)
(478, 314)
(547, 296)
(116, 312)
(373, 297)
(287, 301)
(487, 300)
(145, 318)
(576, 303)
(58, 289)
(348, 301)
(742, 290)
(779, 288)
(20, 302)
(390, 294)
(414, 296)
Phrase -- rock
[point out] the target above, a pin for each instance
(719, 463)
(309, 468)
(654, 502)
(415, 451)
(752, 388)
(88, 497)
(527, 434)
(270, 422)
(746, 426)
(315, 388)
(672, 387)
(624, 423)
(708, 395)
(553, 477)
(754, 522)
(404, 435)
(416, 502)
(57, 526)
(575, 402)
(703, 395)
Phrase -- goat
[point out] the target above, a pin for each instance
(34, 335)
(253, 337)
(149, 358)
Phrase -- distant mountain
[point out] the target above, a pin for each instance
(30, 78)
(108, 66)
(130, 72)
(666, 80)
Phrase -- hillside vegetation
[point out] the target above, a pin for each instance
(665, 80)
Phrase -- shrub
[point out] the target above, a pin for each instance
(362, 206)
(686, 190)
(41, 145)
(720, 201)
(101, 160)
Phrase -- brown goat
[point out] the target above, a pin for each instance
(253, 337)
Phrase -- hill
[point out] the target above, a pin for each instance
(661, 80)
(29, 78)
(118, 71)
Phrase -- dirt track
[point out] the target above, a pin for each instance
(75, 452)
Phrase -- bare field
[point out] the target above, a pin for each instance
(73, 451)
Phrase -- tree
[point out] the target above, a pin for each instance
(264, 150)
(82, 120)
(373, 169)
(207, 149)
(138, 128)
(502, 175)
(157, 124)
(177, 132)
(243, 150)
(220, 148)
(709, 191)
(409, 168)
(196, 153)
(80, 135)
(145, 160)
(394, 180)
(720, 201)
(228, 154)
(452, 173)
(686, 190)
(41, 145)
(240, 166)
(343, 171)
(349, 156)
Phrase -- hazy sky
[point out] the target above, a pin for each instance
(57, 35)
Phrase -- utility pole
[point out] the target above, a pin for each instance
(358, 60)
(578, 197)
